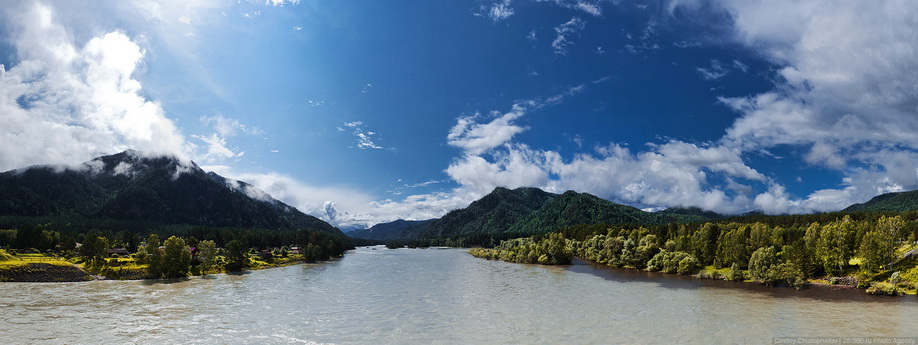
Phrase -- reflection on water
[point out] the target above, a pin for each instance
(439, 296)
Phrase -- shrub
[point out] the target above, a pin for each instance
(735, 274)
(885, 289)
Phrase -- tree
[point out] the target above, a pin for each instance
(176, 258)
(237, 256)
(207, 254)
(154, 257)
(878, 245)
(832, 247)
(761, 261)
(94, 248)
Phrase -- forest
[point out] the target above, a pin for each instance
(125, 250)
(872, 250)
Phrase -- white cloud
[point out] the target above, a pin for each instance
(590, 8)
(477, 138)
(498, 11)
(67, 103)
(715, 71)
(347, 207)
(216, 149)
(531, 36)
(365, 139)
(740, 66)
(564, 31)
(281, 2)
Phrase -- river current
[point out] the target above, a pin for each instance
(427, 296)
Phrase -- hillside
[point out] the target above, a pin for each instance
(692, 212)
(525, 211)
(889, 202)
(573, 208)
(397, 230)
(493, 213)
(138, 187)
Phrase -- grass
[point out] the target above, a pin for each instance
(7, 260)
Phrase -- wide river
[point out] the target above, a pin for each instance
(424, 296)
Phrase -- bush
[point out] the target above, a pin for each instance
(885, 289)
(785, 273)
(673, 262)
(735, 274)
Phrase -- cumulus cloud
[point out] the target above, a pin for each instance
(347, 207)
(846, 93)
(477, 138)
(67, 102)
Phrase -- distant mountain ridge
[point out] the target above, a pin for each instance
(526, 211)
(889, 202)
(397, 230)
(136, 186)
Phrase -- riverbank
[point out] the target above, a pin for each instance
(43, 272)
(52, 269)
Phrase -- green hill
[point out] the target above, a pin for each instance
(573, 208)
(493, 213)
(134, 186)
(524, 211)
(890, 202)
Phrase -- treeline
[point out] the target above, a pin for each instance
(177, 256)
(487, 240)
(773, 254)
(62, 233)
(551, 249)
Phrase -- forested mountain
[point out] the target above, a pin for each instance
(572, 208)
(397, 230)
(493, 213)
(525, 211)
(140, 187)
(890, 202)
(692, 211)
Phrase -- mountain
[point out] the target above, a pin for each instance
(572, 208)
(889, 202)
(141, 187)
(397, 230)
(523, 211)
(493, 213)
(692, 211)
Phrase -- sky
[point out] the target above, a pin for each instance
(361, 112)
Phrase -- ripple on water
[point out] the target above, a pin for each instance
(437, 296)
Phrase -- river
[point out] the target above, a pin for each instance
(427, 296)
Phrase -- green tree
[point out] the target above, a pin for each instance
(759, 237)
(761, 261)
(207, 255)
(878, 245)
(94, 248)
(832, 247)
(154, 257)
(176, 258)
(237, 256)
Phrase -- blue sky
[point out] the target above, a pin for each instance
(365, 112)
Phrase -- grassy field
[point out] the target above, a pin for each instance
(8, 260)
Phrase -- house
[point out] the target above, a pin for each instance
(295, 250)
(265, 254)
(120, 251)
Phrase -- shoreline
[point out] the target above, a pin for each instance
(39, 272)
